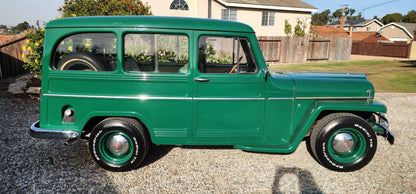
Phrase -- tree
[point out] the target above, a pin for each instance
(393, 17)
(74, 8)
(322, 18)
(375, 17)
(300, 29)
(349, 14)
(21, 27)
(410, 17)
(33, 51)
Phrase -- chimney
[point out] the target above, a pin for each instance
(342, 21)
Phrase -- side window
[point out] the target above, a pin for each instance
(86, 52)
(159, 53)
(229, 55)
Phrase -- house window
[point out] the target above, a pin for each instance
(267, 18)
(368, 29)
(229, 14)
(354, 29)
(179, 5)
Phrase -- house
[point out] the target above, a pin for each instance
(326, 31)
(266, 17)
(396, 33)
(372, 25)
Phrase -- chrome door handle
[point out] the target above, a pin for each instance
(201, 79)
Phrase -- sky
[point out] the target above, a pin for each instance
(13, 12)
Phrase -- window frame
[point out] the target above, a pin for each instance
(247, 52)
(54, 61)
(179, 5)
(268, 18)
(229, 14)
(156, 71)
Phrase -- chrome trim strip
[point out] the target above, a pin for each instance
(37, 132)
(228, 98)
(330, 98)
(281, 98)
(140, 97)
(144, 97)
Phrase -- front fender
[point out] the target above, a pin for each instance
(316, 108)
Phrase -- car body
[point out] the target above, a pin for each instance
(124, 82)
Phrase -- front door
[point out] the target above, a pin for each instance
(229, 92)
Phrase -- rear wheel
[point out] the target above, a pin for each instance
(343, 142)
(119, 144)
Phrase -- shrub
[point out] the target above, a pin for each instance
(33, 51)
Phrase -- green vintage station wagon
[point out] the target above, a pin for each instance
(123, 83)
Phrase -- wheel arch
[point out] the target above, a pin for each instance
(320, 109)
(95, 119)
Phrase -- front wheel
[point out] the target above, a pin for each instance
(343, 142)
(118, 144)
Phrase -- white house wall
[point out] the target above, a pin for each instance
(252, 17)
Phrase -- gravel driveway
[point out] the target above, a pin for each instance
(43, 166)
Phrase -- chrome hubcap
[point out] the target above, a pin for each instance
(343, 143)
(118, 145)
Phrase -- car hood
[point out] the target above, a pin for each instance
(330, 85)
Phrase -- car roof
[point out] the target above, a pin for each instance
(149, 22)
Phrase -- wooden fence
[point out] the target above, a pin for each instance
(381, 49)
(304, 49)
(11, 62)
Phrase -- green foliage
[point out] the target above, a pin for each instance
(349, 14)
(288, 28)
(73, 8)
(410, 17)
(394, 17)
(20, 27)
(33, 51)
(322, 18)
(300, 29)
(213, 58)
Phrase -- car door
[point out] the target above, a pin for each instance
(229, 91)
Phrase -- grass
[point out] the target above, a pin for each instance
(387, 76)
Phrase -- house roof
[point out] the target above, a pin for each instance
(3, 38)
(368, 37)
(411, 27)
(326, 31)
(357, 22)
(287, 5)
(398, 26)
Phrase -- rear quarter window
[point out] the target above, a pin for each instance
(86, 52)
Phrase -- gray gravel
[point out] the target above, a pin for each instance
(41, 166)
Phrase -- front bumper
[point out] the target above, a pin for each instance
(381, 126)
(37, 132)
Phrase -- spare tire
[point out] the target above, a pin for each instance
(80, 62)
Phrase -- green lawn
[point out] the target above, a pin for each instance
(387, 76)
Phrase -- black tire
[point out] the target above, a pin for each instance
(119, 144)
(343, 142)
(80, 62)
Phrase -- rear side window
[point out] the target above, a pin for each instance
(86, 52)
(158, 53)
